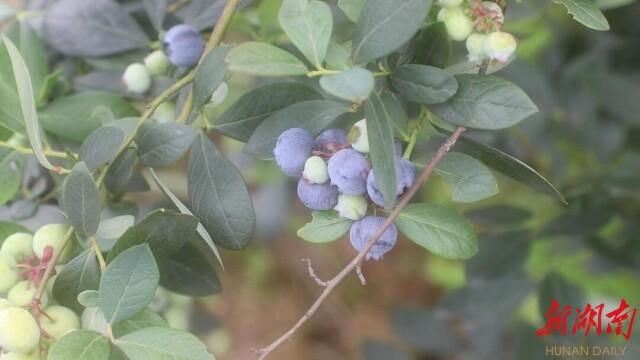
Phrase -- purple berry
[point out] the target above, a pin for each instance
(405, 177)
(183, 45)
(330, 141)
(348, 170)
(292, 150)
(317, 196)
(362, 230)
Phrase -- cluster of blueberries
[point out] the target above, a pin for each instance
(334, 173)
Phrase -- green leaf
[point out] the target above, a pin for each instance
(219, 196)
(424, 84)
(351, 8)
(121, 171)
(89, 298)
(159, 343)
(111, 229)
(382, 147)
(470, 179)
(163, 144)
(11, 163)
(586, 12)
(190, 271)
(433, 46)
(486, 102)
(264, 60)
(78, 275)
(209, 75)
(7, 228)
(500, 254)
(339, 56)
(128, 284)
(80, 200)
(396, 113)
(102, 145)
(32, 50)
(145, 319)
(325, 226)
(354, 85)
(384, 26)
(244, 116)
(312, 115)
(308, 24)
(439, 230)
(165, 232)
(81, 344)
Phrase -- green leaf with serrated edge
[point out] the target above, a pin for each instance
(384, 26)
(351, 8)
(162, 344)
(382, 147)
(219, 196)
(128, 284)
(353, 85)
(163, 144)
(246, 114)
(470, 179)
(586, 12)
(312, 115)
(433, 46)
(89, 298)
(145, 319)
(209, 75)
(80, 200)
(308, 24)
(11, 163)
(81, 344)
(439, 230)
(485, 102)
(80, 274)
(264, 60)
(185, 210)
(424, 84)
(325, 226)
(507, 165)
(102, 145)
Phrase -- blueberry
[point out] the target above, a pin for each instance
(292, 150)
(183, 45)
(362, 230)
(317, 196)
(348, 170)
(405, 177)
(330, 141)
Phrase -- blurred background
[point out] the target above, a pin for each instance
(585, 140)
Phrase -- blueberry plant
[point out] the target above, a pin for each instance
(102, 92)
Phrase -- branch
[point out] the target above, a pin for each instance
(357, 261)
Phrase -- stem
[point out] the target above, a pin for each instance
(321, 72)
(331, 284)
(186, 109)
(48, 272)
(96, 249)
(412, 144)
(28, 151)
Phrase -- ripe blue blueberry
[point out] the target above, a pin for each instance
(183, 45)
(362, 230)
(317, 196)
(292, 150)
(330, 141)
(348, 170)
(405, 177)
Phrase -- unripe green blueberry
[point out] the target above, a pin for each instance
(177, 318)
(157, 63)
(18, 246)
(33, 355)
(458, 24)
(93, 319)
(449, 3)
(358, 136)
(220, 94)
(59, 321)
(500, 46)
(351, 207)
(315, 170)
(179, 300)
(22, 293)
(136, 78)
(19, 331)
(9, 273)
(166, 112)
(475, 46)
(53, 235)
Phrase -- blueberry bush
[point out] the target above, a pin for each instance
(359, 101)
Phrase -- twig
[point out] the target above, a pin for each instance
(360, 274)
(331, 284)
(312, 273)
(96, 249)
(28, 151)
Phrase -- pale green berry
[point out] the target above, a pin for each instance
(500, 46)
(9, 273)
(449, 3)
(18, 246)
(220, 94)
(4, 303)
(475, 46)
(157, 63)
(458, 24)
(53, 235)
(165, 113)
(93, 319)
(19, 331)
(351, 207)
(177, 318)
(136, 78)
(59, 321)
(22, 294)
(358, 136)
(315, 170)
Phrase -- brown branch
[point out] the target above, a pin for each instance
(357, 261)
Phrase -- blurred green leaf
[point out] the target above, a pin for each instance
(163, 144)
(209, 75)
(586, 12)
(81, 344)
(103, 144)
(80, 200)
(351, 8)
(376, 350)
(308, 24)
(470, 179)
(354, 85)
(11, 163)
(424, 84)
(382, 147)
(159, 343)
(78, 275)
(325, 226)
(32, 49)
(89, 298)
(339, 56)
(554, 286)
(425, 330)
(499, 255)
(497, 215)
(433, 46)
(263, 59)
(191, 271)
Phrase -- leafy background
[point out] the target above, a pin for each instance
(585, 140)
